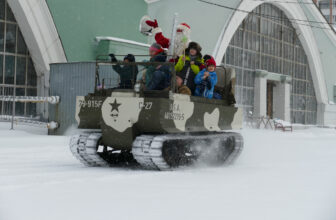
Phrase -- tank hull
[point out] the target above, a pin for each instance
(125, 115)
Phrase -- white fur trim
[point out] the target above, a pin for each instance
(157, 30)
(144, 28)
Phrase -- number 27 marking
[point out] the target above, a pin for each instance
(146, 105)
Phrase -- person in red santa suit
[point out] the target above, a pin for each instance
(182, 37)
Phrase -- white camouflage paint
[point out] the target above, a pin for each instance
(121, 112)
(211, 120)
(79, 100)
(182, 106)
(237, 122)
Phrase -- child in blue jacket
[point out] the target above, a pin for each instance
(206, 80)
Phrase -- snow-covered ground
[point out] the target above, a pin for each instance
(279, 176)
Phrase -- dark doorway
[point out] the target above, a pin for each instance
(269, 97)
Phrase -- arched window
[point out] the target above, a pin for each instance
(16, 67)
(266, 40)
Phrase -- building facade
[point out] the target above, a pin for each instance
(328, 8)
(272, 45)
(17, 72)
(282, 52)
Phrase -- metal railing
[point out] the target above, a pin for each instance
(8, 111)
(113, 79)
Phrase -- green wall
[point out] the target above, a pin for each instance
(78, 22)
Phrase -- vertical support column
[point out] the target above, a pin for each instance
(331, 11)
(334, 93)
(42, 90)
(14, 88)
(260, 90)
(326, 114)
(320, 114)
(46, 87)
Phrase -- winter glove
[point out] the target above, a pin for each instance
(113, 58)
(184, 39)
(153, 24)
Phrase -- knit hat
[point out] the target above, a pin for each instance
(210, 62)
(130, 57)
(156, 48)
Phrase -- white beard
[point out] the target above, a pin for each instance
(180, 44)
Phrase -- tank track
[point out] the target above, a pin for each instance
(84, 148)
(149, 151)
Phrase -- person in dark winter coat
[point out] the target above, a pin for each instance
(206, 80)
(190, 64)
(127, 73)
(157, 76)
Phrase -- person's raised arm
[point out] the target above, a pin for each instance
(157, 31)
(116, 67)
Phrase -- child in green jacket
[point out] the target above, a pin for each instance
(190, 64)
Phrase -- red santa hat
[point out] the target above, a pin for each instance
(210, 62)
(185, 24)
(183, 27)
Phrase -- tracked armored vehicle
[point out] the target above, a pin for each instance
(159, 130)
